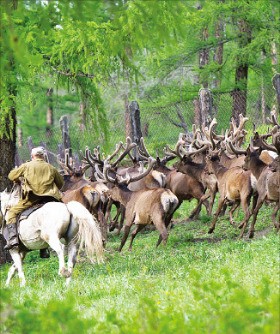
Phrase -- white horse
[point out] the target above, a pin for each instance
(50, 225)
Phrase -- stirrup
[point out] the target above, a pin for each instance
(9, 246)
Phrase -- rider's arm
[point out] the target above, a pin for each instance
(58, 179)
(16, 173)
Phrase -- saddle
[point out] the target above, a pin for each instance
(26, 213)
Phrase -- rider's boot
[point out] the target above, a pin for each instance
(12, 236)
(44, 253)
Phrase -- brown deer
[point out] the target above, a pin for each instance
(234, 186)
(268, 184)
(77, 187)
(185, 187)
(143, 207)
(86, 195)
(151, 180)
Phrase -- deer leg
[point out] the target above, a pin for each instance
(134, 233)
(162, 237)
(114, 221)
(122, 212)
(254, 202)
(194, 214)
(245, 206)
(231, 211)
(125, 235)
(274, 216)
(161, 227)
(255, 214)
(208, 205)
(212, 200)
(216, 215)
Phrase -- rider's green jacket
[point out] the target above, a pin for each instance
(39, 177)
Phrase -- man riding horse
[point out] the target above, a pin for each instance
(40, 183)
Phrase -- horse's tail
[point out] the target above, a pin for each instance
(89, 234)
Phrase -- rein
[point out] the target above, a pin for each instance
(4, 213)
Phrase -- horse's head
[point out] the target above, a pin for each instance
(9, 199)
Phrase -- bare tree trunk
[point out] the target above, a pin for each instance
(197, 112)
(239, 93)
(276, 85)
(8, 143)
(49, 113)
(82, 114)
(206, 103)
(133, 124)
(19, 136)
(7, 158)
(219, 52)
(203, 59)
(64, 126)
(263, 99)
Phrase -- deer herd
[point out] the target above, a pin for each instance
(146, 190)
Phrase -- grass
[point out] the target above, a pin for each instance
(198, 283)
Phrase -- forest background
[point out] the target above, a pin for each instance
(90, 59)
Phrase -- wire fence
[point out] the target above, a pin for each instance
(159, 125)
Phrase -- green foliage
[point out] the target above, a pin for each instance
(150, 48)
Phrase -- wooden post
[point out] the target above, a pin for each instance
(133, 124)
(276, 85)
(64, 126)
(205, 100)
(49, 116)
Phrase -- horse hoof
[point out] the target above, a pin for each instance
(65, 273)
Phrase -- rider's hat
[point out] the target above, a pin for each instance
(38, 150)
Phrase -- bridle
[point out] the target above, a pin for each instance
(6, 209)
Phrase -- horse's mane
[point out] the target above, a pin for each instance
(9, 199)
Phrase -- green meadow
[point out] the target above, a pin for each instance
(198, 283)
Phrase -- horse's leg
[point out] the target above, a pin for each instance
(11, 273)
(17, 265)
(72, 255)
(58, 247)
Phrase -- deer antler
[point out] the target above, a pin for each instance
(273, 120)
(233, 150)
(128, 147)
(92, 159)
(67, 165)
(128, 179)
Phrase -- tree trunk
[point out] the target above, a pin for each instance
(197, 113)
(7, 158)
(219, 51)
(49, 113)
(133, 124)
(239, 93)
(205, 99)
(276, 85)
(82, 114)
(203, 60)
(64, 126)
